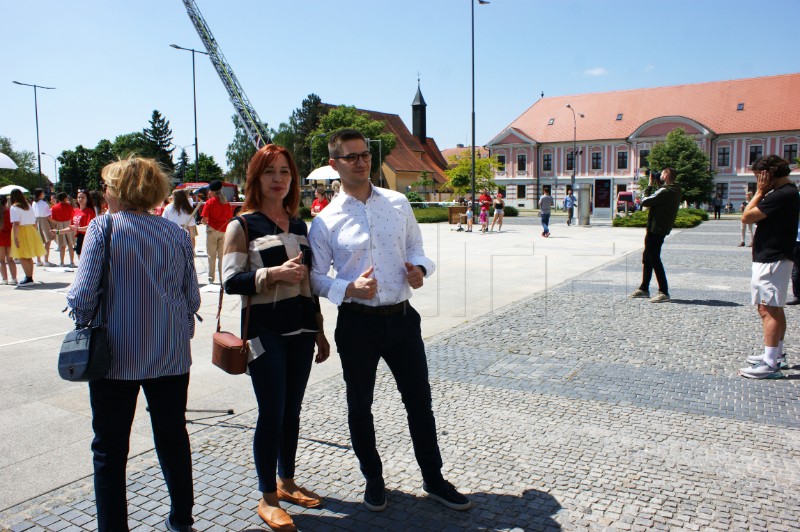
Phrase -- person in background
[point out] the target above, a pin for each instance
(663, 205)
(470, 216)
(319, 202)
(746, 226)
(270, 266)
(153, 297)
(335, 186)
(99, 202)
(485, 200)
(217, 212)
(26, 244)
(7, 264)
(569, 206)
(61, 214)
(181, 212)
(81, 217)
(774, 209)
(483, 217)
(44, 223)
(545, 207)
(795, 299)
(499, 206)
(717, 203)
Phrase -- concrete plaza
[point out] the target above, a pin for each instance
(559, 402)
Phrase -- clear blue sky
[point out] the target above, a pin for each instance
(111, 62)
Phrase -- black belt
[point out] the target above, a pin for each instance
(384, 310)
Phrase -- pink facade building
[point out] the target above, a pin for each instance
(734, 122)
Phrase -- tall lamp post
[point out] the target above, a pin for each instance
(36, 107)
(472, 6)
(55, 168)
(194, 93)
(574, 144)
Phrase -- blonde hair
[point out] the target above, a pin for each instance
(136, 182)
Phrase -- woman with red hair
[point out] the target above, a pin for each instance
(268, 265)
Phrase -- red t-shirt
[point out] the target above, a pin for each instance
(318, 205)
(62, 212)
(218, 214)
(5, 233)
(485, 199)
(82, 217)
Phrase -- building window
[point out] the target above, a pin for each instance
(790, 153)
(755, 154)
(622, 160)
(722, 190)
(521, 192)
(550, 122)
(501, 163)
(643, 154)
(547, 162)
(619, 116)
(522, 162)
(724, 157)
(570, 161)
(597, 161)
(740, 107)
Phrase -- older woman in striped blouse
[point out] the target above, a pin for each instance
(153, 296)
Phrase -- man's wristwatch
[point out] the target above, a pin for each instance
(424, 271)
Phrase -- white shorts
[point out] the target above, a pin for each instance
(770, 283)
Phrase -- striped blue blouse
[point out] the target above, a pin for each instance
(153, 294)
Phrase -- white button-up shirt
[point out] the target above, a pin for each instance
(352, 236)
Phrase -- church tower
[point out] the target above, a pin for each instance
(418, 126)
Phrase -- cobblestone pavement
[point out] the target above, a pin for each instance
(575, 409)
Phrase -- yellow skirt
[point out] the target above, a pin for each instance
(30, 243)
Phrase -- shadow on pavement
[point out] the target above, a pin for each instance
(533, 510)
(706, 302)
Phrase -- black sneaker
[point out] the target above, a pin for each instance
(447, 494)
(375, 495)
(25, 281)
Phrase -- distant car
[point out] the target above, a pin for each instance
(626, 198)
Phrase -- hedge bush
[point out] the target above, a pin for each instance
(431, 215)
(304, 213)
(686, 218)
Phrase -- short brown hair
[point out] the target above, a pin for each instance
(341, 136)
(258, 164)
(136, 182)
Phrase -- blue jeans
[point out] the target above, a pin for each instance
(279, 379)
(113, 405)
(545, 222)
(362, 340)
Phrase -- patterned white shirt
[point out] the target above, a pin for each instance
(351, 236)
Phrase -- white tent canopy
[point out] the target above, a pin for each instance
(323, 173)
(6, 163)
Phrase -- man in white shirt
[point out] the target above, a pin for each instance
(372, 239)
(44, 223)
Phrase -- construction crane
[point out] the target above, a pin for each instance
(256, 129)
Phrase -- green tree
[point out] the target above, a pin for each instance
(26, 175)
(159, 140)
(76, 168)
(459, 178)
(181, 167)
(347, 116)
(239, 152)
(208, 169)
(130, 144)
(101, 155)
(692, 166)
(303, 122)
(425, 184)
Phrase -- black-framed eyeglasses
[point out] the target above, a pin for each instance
(353, 158)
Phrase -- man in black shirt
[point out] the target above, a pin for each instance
(775, 208)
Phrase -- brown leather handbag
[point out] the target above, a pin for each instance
(229, 352)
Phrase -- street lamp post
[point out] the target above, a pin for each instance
(574, 144)
(472, 6)
(194, 93)
(55, 168)
(36, 107)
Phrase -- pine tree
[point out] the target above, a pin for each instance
(181, 168)
(159, 139)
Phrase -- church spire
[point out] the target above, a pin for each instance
(418, 106)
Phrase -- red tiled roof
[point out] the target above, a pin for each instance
(480, 151)
(410, 155)
(770, 104)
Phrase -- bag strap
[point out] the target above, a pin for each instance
(191, 216)
(222, 289)
(102, 307)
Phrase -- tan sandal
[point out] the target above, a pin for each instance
(302, 497)
(277, 519)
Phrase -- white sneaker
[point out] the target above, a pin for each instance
(12, 282)
(4, 282)
(755, 359)
(762, 370)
